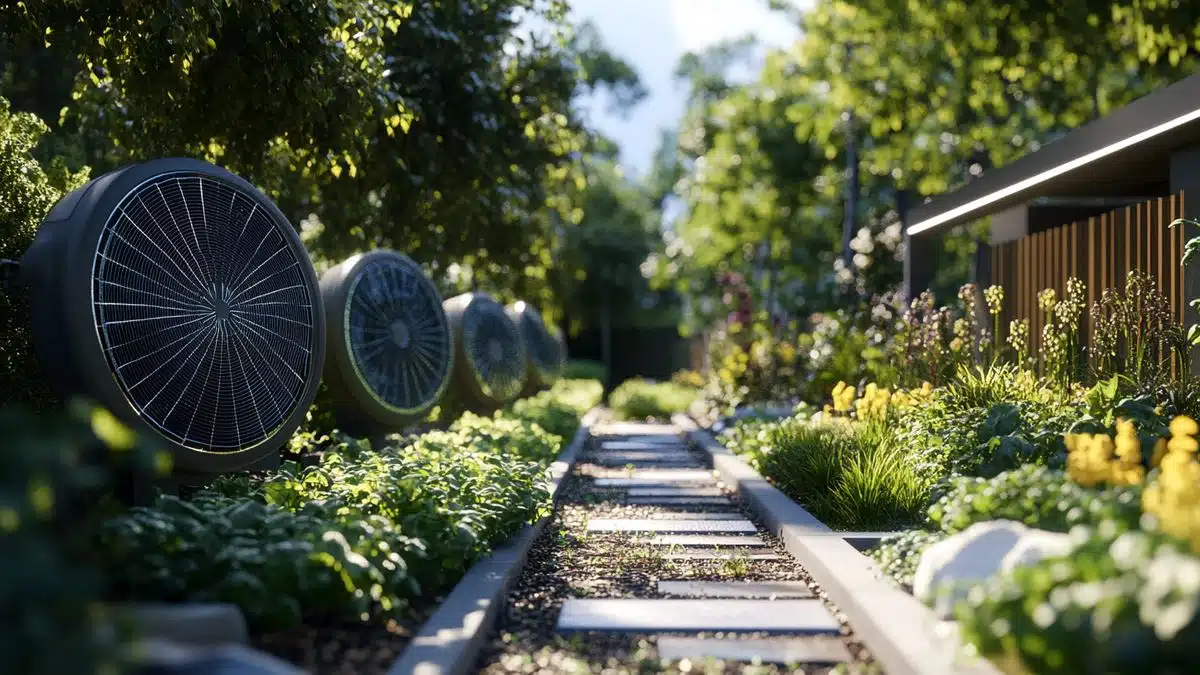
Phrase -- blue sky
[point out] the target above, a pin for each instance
(651, 35)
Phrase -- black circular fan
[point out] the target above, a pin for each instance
(389, 341)
(178, 296)
(489, 365)
(544, 353)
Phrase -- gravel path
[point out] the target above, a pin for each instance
(568, 561)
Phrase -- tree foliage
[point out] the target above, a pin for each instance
(933, 94)
(27, 192)
(601, 268)
(443, 129)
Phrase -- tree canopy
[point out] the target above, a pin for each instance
(932, 93)
(442, 129)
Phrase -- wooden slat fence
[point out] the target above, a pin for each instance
(1100, 251)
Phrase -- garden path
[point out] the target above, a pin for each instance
(650, 562)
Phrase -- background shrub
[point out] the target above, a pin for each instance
(581, 369)
(27, 192)
(642, 399)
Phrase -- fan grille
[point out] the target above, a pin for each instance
(493, 347)
(398, 334)
(203, 311)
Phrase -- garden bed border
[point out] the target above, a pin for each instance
(902, 634)
(449, 642)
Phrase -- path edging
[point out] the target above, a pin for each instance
(905, 636)
(450, 640)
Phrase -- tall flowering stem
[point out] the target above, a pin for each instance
(993, 296)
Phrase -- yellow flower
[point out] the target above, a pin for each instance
(1160, 450)
(1184, 426)
(1186, 444)
(1090, 460)
(1174, 497)
(842, 397)
(1128, 469)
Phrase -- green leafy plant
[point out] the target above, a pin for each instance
(361, 535)
(580, 369)
(1121, 602)
(27, 192)
(986, 421)
(899, 555)
(61, 474)
(1036, 496)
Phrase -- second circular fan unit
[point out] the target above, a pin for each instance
(391, 353)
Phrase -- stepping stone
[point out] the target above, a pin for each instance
(164, 657)
(627, 615)
(724, 541)
(192, 624)
(710, 515)
(639, 445)
(657, 478)
(643, 455)
(811, 650)
(661, 440)
(683, 462)
(676, 492)
(614, 525)
(736, 589)
(635, 429)
(721, 554)
(679, 501)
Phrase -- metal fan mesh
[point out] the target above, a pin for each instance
(398, 334)
(203, 311)
(493, 347)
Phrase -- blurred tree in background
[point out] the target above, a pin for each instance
(932, 93)
(441, 129)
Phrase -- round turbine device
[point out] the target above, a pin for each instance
(544, 353)
(390, 349)
(490, 366)
(178, 296)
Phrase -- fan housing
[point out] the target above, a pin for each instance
(390, 348)
(178, 296)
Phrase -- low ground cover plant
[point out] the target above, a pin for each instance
(361, 535)
(560, 408)
(638, 399)
(364, 534)
(358, 536)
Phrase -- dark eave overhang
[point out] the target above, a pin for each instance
(1124, 153)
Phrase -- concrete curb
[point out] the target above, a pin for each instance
(903, 635)
(451, 639)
